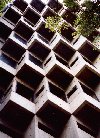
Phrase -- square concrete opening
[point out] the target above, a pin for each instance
(21, 30)
(17, 118)
(64, 50)
(8, 60)
(89, 117)
(25, 92)
(87, 51)
(35, 60)
(19, 38)
(30, 76)
(20, 4)
(39, 7)
(52, 116)
(69, 17)
(5, 78)
(13, 49)
(61, 60)
(60, 77)
(5, 94)
(67, 33)
(45, 32)
(90, 78)
(9, 132)
(56, 6)
(89, 91)
(46, 129)
(39, 50)
(31, 16)
(85, 130)
(12, 16)
(4, 32)
(48, 13)
(57, 91)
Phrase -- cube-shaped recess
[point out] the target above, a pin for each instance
(24, 91)
(59, 76)
(43, 129)
(57, 72)
(52, 111)
(78, 64)
(13, 49)
(64, 50)
(28, 70)
(88, 120)
(17, 112)
(20, 4)
(31, 16)
(5, 78)
(87, 109)
(48, 13)
(21, 29)
(57, 91)
(81, 101)
(76, 87)
(87, 51)
(4, 32)
(83, 127)
(8, 60)
(69, 16)
(45, 33)
(55, 5)
(12, 16)
(39, 7)
(47, 85)
(39, 50)
(90, 77)
(67, 34)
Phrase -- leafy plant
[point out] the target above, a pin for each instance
(55, 23)
(71, 4)
(3, 4)
(88, 19)
(96, 42)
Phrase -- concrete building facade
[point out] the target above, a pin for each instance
(49, 82)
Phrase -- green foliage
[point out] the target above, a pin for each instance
(71, 4)
(3, 3)
(96, 42)
(56, 23)
(88, 19)
(88, 4)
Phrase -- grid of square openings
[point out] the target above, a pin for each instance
(31, 57)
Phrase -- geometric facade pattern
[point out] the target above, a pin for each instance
(49, 82)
